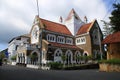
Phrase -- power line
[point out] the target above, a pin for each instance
(109, 10)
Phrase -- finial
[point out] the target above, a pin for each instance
(85, 19)
(61, 19)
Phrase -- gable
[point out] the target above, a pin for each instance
(88, 27)
(84, 29)
(96, 26)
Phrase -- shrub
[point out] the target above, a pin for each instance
(13, 58)
(111, 61)
(55, 65)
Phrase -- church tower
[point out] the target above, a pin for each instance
(73, 22)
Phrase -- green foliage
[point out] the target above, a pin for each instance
(55, 65)
(14, 57)
(111, 61)
(90, 57)
(33, 57)
(2, 56)
(115, 18)
(63, 57)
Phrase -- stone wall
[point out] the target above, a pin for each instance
(109, 67)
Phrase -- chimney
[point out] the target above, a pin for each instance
(85, 19)
(61, 19)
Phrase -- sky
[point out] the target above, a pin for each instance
(17, 16)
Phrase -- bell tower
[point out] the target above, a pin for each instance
(73, 22)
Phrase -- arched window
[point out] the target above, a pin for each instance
(69, 57)
(77, 57)
(57, 55)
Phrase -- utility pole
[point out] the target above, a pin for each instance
(37, 7)
(40, 38)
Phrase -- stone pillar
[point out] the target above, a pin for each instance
(17, 60)
(26, 59)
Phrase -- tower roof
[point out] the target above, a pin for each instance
(71, 14)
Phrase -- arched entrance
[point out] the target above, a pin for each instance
(57, 55)
(69, 57)
(33, 57)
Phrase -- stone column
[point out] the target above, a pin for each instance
(25, 59)
(17, 61)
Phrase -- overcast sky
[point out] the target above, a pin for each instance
(16, 16)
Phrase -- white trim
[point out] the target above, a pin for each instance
(69, 53)
(80, 40)
(51, 38)
(86, 53)
(60, 39)
(58, 57)
(69, 41)
(77, 53)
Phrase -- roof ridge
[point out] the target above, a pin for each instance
(52, 21)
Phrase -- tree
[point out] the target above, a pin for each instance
(2, 56)
(115, 18)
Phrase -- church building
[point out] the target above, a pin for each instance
(50, 41)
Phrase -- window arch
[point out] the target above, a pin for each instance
(85, 53)
(77, 57)
(69, 57)
(57, 55)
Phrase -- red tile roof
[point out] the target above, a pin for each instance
(84, 29)
(63, 45)
(112, 38)
(55, 27)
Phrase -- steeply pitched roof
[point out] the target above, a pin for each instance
(112, 38)
(85, 28)
(72, 12)
(55, 27)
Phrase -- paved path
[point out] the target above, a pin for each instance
(8, 72)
